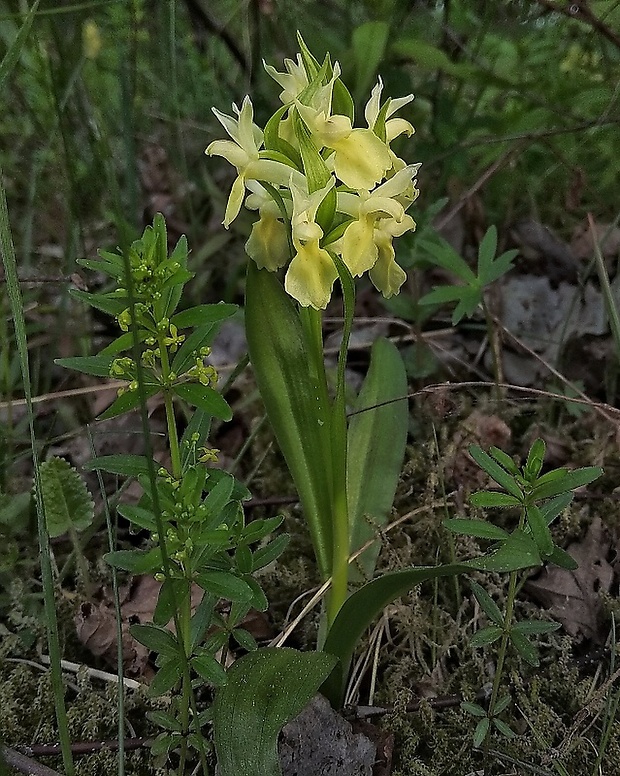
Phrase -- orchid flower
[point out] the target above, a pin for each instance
(359, 247)
(268, 243)
(243, 152)
(312, 272)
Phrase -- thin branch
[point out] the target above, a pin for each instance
(25, 764)
(579, 10)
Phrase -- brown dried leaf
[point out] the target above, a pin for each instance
(479, 429)
(572, 597)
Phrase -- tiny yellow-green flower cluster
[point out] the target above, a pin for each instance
(320, 186)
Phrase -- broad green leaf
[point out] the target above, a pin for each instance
(481, 731)
(139, 516)
(494, 470)
(125, 465)
(444, 255)
(486, 636)
(424, 54)
(504, 729)
(136, 561)
(535, 459)
(224, 585)
(204, 313)
(490, 499)
(209, 669)
(504, 460)
(486, 251)
(156, 639)
(280, 362)
(535, 627)
(518, 551)
(524, 647)
(219, 495)
(552, 509)
(573, 479)
(166, 678)
(172, 595)
(267, 554)
(205, 398)
(164, 720)
(502, 704)
(265, 689)
(478, 528)
(376, 449)
(362, 607)
(368, 42)
(540, 530)
(561, 558)
(108, 303)
(488, 605)
(67, 502)
(99, 366)
(473, 708)
(128, 401)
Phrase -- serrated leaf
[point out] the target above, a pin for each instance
(68, 504)
(494, 470)
(376, 449)
(166, 678)
(207, 399)
(264, 691)
(492, 499)
(480, 529)
(488, 605)
(156, 639)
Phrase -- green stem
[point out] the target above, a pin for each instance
(185, 615)
(503, 646)
(173, 437)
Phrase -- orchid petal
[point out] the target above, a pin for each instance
(359, 251)
(310, 276)
(268, 243)
(361, 160)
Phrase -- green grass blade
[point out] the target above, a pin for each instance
(10, 270)
(12, 55)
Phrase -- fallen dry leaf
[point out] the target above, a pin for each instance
(571, 597)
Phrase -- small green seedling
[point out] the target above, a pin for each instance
(471, 294)
(540, 498)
